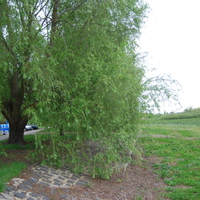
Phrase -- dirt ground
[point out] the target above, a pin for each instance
(138, 182)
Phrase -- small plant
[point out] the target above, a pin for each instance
(88, 185)
(138, 197)
(2, 151)
(119, 180)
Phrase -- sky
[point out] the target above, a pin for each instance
(171, 39)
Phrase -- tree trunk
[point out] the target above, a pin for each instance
(16, 126)
(16, 135)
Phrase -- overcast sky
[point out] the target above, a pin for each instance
(171, 37)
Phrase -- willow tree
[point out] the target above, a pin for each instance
(73, 60)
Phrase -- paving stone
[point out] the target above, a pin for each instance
(44, 169)
(67, 177)
(46, 198)
(76, 176)
(57, 180)
(20, 195)
(6, 196)
(36, 175)
(57, 184)
(24, 187)
(30, 198)
(55, 173)
(80, 183)
(64, 197)
(48, 177)
(45, 180)
(83, 181)
(32, 180)
(28, 183)
(71, 181)
(61, 178)
(34, 195)
(44, 184)
(9, 188)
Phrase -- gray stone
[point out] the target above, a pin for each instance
(80, 183)
(34, 194)
(27, 183)
(55, 173)
(44, 184)
(46, 198)
(32, 180)
(64, 197)
(71, 181)
(57, 183)
(30, 198)
(6, 196)
(20, 195)
(61, 178)
(9, 188)
(24, 187)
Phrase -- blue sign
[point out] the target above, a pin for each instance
(4, 129)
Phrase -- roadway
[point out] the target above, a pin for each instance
(4, 137)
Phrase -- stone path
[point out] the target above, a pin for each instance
(47, 177)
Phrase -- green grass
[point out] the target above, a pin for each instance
(8, 171)
(179, 122)
(180, 165)
(28, 138)
(13, 169)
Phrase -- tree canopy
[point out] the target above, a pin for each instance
(72, 59)
(73, 65)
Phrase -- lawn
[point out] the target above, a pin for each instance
(180, 153)
(178, 147)
(13, 159)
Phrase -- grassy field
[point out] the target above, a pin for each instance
(179, 122)
(177, 144)
(180, 152)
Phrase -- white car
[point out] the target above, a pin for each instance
(28, 128)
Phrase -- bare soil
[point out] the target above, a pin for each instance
(138, 182)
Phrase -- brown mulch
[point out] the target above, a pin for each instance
(138, 182)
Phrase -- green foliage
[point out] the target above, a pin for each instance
(75, 65)
(159, 90)
(94, 156)
(75, 68)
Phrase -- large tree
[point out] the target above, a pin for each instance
(76, 57)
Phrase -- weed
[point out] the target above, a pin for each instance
(138, 197)
(119, 180)
(88, 185)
